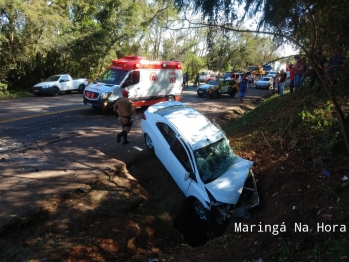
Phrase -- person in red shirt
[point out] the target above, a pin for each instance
(291, 70)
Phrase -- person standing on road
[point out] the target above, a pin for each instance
(276, 82)
(298, 71)
(305, 70)
(186, 80)
(243, 90)
(250, 80)
(197, 80)
(291, 70)
(283, 77)
(239, 79)
(125, 111)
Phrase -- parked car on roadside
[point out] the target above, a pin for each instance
(226, 75)
(203, 90)
(272, 74)
(197, 154)
(59, 83)
(205, 76)
(264, 83)
(217, 88)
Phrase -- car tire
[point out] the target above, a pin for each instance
(148, 142)
(81, 88)
(203, 213)
(232, 93)
(170, 98)
(55, 91)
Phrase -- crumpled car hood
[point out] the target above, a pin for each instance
(228, 187)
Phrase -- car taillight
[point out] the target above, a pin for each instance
(144, 117)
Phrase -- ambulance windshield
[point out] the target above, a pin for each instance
(112, 76)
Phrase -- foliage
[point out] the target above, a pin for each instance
(193, 65)
(39, 38)
(5, 94)
(309, 25)
(304, 119)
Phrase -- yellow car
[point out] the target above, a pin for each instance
(227, 86)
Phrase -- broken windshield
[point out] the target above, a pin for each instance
(214, 160)
(112, 76)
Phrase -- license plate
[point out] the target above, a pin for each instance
(89, 104)
(201, 92)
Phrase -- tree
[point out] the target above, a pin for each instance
(27, 30)
(304, 24)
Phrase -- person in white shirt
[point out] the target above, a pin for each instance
(250, 80)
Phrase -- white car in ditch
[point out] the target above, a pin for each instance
(196, 153)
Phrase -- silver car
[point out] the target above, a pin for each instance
(265, 83)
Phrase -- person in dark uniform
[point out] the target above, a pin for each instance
(125, 110)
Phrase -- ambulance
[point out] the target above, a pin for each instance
(147, 81)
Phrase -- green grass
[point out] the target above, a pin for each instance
(15, 94)
(303, 119)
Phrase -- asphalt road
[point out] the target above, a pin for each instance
(53, 145)
(46, 119)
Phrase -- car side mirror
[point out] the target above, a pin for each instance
(186, 176)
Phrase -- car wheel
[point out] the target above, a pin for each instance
(170, 98)
(55, 91)
(148, 142)
(232, 93)
(203, 213)
(81, 88)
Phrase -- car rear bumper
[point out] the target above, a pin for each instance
(202, 92)
(42, 91)
(263, 86)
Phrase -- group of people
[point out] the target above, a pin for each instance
(280, 81)
(331, 67)
(185, 80)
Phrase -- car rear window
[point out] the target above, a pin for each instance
(167, 110)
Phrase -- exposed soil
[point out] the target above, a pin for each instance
(135, 212)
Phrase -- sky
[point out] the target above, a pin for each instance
(287, 50)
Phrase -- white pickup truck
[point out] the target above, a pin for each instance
(60, 83)
(205, 76)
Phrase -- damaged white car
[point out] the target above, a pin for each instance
(196, 153)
